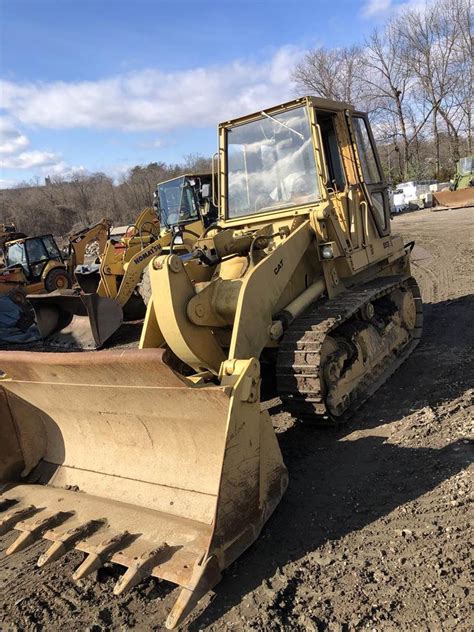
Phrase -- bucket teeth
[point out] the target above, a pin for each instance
(34, 529)
(100, 553)
(140, 568)
(55, 551)
(15, 515)
(65, 541)
(205, 576)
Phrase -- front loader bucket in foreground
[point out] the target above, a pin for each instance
(67, 318)
(113, 454)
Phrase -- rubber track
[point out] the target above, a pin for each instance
(298, 374)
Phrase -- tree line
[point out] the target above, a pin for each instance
(62, 205)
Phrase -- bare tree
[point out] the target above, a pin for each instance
(331, 74)
(430, 44)
(387, 83)
(461, 12)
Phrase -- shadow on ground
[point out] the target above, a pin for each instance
(339, 486)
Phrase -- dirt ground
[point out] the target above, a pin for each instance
(373, 532)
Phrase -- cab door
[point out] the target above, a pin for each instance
(37, 257)
(371, 173)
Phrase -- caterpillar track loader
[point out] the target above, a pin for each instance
(112, 291)
(176, 464)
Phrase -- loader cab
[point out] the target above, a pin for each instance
(296, 156)
(32, 255)
(184, 200)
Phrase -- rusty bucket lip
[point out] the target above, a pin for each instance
(82, 357)
(40, 366)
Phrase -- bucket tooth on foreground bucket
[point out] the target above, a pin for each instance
(100, 553)
(141, 568)
(64, 541)
(33, 529)
(8, 521)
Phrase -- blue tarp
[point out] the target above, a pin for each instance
(16, 326)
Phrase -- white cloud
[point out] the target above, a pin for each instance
(374, 7)
(11, 140)
(152, 144)
(29, 160)
(63, 169)
(13, 156)
(156, 100)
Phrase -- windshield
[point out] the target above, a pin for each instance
(466, 165)
(176, 201)
(271, 164)
(16, 255)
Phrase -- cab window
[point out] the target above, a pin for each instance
(36, 250)
(326, 122)
(51, 248)
(370, 169)
(16, 255)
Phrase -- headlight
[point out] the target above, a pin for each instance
(327, 252)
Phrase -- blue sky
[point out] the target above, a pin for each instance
(102, 85)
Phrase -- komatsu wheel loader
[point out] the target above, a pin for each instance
(113, 290)
(175, 464)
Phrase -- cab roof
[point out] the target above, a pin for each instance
(317, 102)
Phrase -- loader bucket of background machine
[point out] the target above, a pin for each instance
(68, 318)
(455, 199)
(117, 456)
(88, 277)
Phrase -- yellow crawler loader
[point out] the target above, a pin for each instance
(112, 291)
(161, 459)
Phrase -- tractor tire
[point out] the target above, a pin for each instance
(57, 279)
(18, 296)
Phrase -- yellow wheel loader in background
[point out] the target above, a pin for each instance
(80, 240)
(35, 264)
(176, 466)
(461, 192)
(8, 232)
(112, 291)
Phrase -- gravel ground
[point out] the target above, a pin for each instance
(373, 532)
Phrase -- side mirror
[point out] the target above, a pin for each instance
(206, 191)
